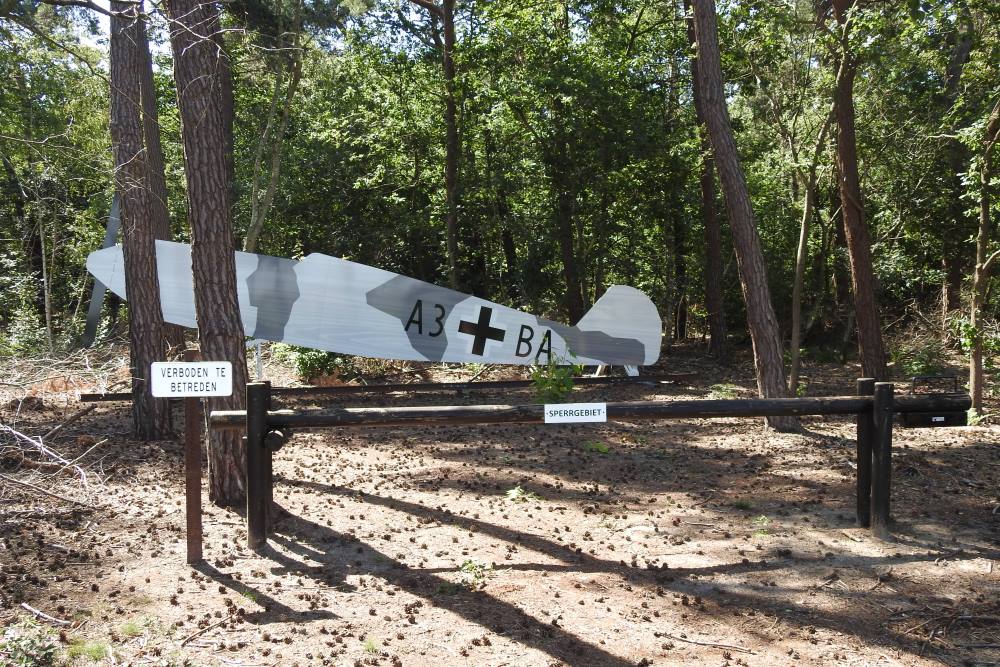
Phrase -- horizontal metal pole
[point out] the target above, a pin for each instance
(527, 414)
(433, 386)
(931, 402)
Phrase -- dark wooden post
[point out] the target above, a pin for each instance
(192, 470)
(258, 401)
(866, 434)
(268, 470)
(882, 456)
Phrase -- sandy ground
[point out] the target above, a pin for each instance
(712, 542)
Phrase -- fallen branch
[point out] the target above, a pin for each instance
(45, 617)
(40, 446)
(38, 489)
(731, 647)
(69, 420)
(205, 629)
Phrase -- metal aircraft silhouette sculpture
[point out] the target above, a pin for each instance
(332, 304)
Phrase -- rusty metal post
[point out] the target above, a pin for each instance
(192, 471)
(882, 413)
(258, 400)
(866, 435)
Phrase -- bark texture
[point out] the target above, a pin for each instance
(199, 64)
(872, 350)
(714, 303)
(150, 416)
(453, 148)
(984, 264)
(762, 322)
(173, 333)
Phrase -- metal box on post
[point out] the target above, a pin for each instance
(937, 385)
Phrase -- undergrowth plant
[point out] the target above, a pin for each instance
(27, 644)
(919, 350)
(520, 495)
(760, 525)
(554, 381)
(596, 446)
(474, 574)
(720, 391)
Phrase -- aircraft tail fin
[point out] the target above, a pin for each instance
(625, 312)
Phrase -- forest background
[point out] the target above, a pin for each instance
(535, 153)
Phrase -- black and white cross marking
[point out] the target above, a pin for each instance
(481, 330)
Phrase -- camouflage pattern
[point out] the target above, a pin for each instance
(332, 304)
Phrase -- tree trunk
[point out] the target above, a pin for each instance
(46, 283)
(453, 148)
(870, 345)
(173, 333)
(150, 416)
(714, 303)
(565, 232)
(151, 135)
(954, 230)
(222, 78)
(680, 278)
(204, 134)
(261, 204)
(984, 264)
(753, 275)
(802, 256)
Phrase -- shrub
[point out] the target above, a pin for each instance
(554, 382)
(310, 364)
(25, 644)
(919, 351)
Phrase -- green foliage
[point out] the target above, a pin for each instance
(724, 390)
(579, 136)
(554, 382)
(966, 334)
(27, 644)
(597, 446)
(474, 575)
(92, 650)
(131, 629)
(371, 645)
(760, 524)
(919, 352)
(310, 364)
(520, 495)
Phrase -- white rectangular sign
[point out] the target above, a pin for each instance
(177, 379)
(567, 413)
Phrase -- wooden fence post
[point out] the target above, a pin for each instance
(258, 401)
(192, 471)
(866, 434)
(882, 413)
(268, 470)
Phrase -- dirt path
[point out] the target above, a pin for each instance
(704, 541)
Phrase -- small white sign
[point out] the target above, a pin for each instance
(178, 379)
(567, 413)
